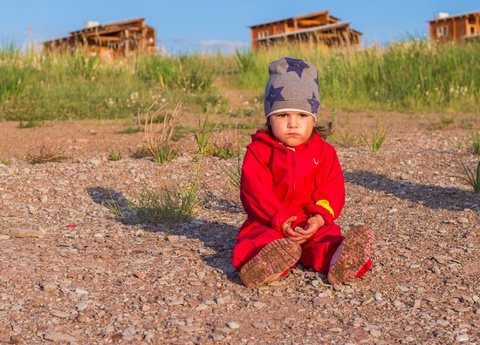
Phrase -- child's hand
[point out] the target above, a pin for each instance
(288, 232)
(313, 224)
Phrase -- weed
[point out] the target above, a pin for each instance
(376, 138)
(202, 137)
(444, 122)
(164, 154)
(116, 204)
(225, 152)
(30, 123)
(475, 142)
(348, 139)
(48, 152)
(157, 134)
(226, 144)
(245, 61)
(5, 161)
(235, 173)
(113, 156)
(170, 204)
(129, 130)
(472, 178)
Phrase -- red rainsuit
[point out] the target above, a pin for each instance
(278, 182)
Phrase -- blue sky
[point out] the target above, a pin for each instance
(210, 25)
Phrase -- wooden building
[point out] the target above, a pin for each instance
(455, 28)
(318, 28)
(109, 41)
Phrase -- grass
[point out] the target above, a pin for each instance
(164, 206)
(203, 135)
(346, 138)
(169, 204)
(129, 130)
(117, 204)
(157, 133)
(445, 121)
(472, 177)
(409, 75)
(113, 156)
(376, 137)
(234, 173)
(475, 142)
(48, 152)
(5, 161)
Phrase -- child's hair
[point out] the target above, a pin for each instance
(323, 130)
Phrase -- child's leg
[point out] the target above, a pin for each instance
(353, 257)
(318, 251)
(324, 249)
(262, 255)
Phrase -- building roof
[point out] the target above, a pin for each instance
(98, 31)
(296, 18)
(466, 14)
(312, 29)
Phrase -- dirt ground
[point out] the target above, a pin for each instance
(74, 272)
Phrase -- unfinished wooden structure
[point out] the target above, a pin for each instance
(463, 27)
(315, 29)
(109, 41)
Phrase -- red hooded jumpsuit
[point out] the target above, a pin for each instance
(278, 182)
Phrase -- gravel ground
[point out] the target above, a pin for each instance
(112, 279)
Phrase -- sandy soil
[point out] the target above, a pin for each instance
(74, 272)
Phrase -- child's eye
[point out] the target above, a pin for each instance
(282, 115)
(304, 115)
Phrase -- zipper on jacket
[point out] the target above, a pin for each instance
(294, 168)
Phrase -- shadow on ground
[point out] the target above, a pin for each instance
(434, 197)
(218, 236)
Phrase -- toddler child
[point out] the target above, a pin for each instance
(292, 189)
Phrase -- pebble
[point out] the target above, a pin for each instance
(259, 324)
(24, 233)
(188, 328)
(462, 337)
(57, 337)
(60, 314)
(114, 280)
(233, 325)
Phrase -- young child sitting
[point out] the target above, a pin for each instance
(292, 189)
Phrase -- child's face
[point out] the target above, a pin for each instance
(292, 128)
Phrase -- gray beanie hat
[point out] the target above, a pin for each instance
(293, 85)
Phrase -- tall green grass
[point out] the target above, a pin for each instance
(414, 75)
(36, 87)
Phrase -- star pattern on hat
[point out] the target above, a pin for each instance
(274, 95)
(296, 66)
(314, 103)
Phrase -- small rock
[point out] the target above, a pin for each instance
(60, 314)
(57, 337)
(233, 325)
(48, 287)
(190, 328)
(222, 331)
(462, 337)
(259, 324)
(139, 275)
(24, 233)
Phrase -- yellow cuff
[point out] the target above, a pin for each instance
(326, 205)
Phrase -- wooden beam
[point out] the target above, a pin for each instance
(310, 22)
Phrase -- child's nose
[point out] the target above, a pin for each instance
(292, 121)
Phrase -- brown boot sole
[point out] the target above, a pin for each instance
(269, 264)
(358, 247)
